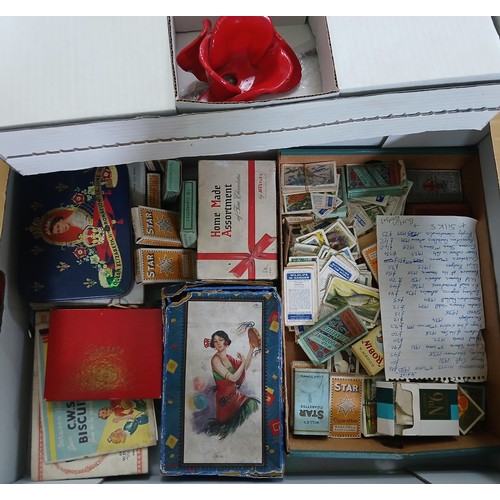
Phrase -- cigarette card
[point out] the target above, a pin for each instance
(370, 351)
(300, 295)
(370, 255)
(332, 334)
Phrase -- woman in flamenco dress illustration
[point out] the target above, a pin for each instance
(232, 407)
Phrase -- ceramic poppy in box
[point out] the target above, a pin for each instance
(233, 62)
(241, 58)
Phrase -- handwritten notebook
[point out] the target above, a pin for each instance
(431, 300)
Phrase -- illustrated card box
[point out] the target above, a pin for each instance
(469, 412)
(75, 235)
(376, 178)
(435, 186)
(76, 439)
(222, 405)
(237, 220)
(172, 183)
(104, 353)
(153, 189)
(189, 212)
(162, 265)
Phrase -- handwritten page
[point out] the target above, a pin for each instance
(431, 300)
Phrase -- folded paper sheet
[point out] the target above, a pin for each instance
(431, 300)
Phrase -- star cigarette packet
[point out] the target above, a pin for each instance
(156, 227)
(311, 401)
(346, 397)
(164, 265)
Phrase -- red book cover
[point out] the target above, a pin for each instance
(106, 353)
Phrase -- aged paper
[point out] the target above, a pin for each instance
(431, 300)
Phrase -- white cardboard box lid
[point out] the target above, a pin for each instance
(383, 53)
(69, 69)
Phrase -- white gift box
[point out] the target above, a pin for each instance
(237, 220)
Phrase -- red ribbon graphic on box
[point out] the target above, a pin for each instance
(256, 250)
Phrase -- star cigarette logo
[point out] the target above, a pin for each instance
(166, 266)
(346, 405)
(165, 225)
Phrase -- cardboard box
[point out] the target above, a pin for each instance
(83, 138)
(414, 52)
(482, 441)
(237, 227)
(74, 69)
(417, 409)
(306, 456)
(307, 36)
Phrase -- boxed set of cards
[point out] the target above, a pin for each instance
(222, 406)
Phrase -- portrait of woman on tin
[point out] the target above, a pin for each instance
(223, 385)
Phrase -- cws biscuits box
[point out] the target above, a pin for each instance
(237, 220)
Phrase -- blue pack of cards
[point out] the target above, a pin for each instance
(222, 408)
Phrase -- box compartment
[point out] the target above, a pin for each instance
(307, 36)
(74, 69)
(378, 54)
(418, 448)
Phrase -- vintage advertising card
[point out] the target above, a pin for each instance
(332, 334)
(222, 406)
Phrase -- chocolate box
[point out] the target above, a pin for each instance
(237, 226)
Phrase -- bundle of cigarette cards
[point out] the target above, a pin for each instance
(331, 297)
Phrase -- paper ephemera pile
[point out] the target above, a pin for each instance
(330, 279)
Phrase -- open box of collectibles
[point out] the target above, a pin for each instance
(398, 239)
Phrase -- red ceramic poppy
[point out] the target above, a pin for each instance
(241, 58)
